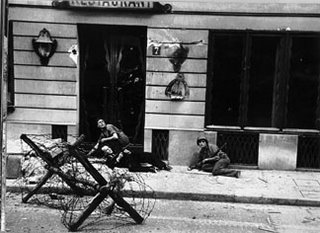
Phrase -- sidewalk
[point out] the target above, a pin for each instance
(253, 186)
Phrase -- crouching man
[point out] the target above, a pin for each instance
(210, 158)
(112, 142)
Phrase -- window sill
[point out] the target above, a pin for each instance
(300, 131)
(223, 127)
(262, 129)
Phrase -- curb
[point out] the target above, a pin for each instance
(202, 197)
(231, 198)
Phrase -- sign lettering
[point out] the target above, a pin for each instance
(116, 5)
(104, 4)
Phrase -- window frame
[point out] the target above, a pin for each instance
(279, 106)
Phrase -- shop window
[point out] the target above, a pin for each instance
(259, 79)
(227, 70)
(303, 84)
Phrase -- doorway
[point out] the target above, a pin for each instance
(112, 79)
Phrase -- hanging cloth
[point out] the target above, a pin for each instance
(113, 48)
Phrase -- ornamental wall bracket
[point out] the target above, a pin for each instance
(44, 46)
(178, 88)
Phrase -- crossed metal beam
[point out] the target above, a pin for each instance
(101, 185)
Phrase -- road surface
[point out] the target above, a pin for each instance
(175, 216)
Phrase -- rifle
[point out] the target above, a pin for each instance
(199, 164)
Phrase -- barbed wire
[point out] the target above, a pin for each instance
(57, 194)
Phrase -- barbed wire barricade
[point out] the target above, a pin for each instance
(33, 171)
(108, 215)
(71, 202)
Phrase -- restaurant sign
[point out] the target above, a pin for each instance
(113, 5)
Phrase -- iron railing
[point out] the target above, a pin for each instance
(242, 147)
(160, 144)
(308, 151)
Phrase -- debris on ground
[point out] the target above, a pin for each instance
(262, 180)
(268, 229)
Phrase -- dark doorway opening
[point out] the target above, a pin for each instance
(112, 79)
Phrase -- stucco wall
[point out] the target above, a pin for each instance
(43, 95)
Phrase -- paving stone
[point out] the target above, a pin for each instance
(307, 182)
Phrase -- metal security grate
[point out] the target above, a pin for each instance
(59, 131)
(242, 148)
(160, 144)
(308, 151)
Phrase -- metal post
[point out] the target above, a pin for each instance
(3, 22)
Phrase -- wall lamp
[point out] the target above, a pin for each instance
(44, 46)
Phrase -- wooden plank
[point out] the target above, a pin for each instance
(158, 78)
(33, 28)
(169, 20)
(25, 43)
(45, 73)
(31, 58)
(45, 87)
(157, 93)
(46, 101)
(175, 107)
(190, 65)
(174, 121)
(44, 116)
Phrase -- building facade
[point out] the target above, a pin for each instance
(241, 72)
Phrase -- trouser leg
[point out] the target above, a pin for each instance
(207, 167)
(115, 146)
(112, 153)
(221, 169)
(194, 160)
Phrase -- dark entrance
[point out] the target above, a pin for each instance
(112, 78)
